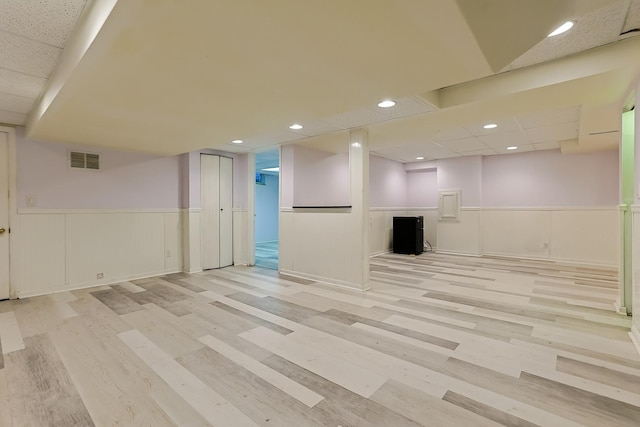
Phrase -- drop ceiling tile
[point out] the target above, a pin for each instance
(550, 117)
(553, 145)
(19, 104)
(12, 117)
(15, 83)
(553, 133)
(485, 152)
(48, 21)
(27, 56)
(632, 20)
(406, 107)
(504, 125)
(464, 145)
(596, 28)
(521, 149)
(272, 139)
(501, 140)
(315, 128)
(356, 118)
(455, 133)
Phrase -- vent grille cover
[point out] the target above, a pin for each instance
(80, 160)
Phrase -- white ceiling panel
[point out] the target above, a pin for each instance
(485, 152)
(48, 21)
(454, 133)
(504, 126)
(550, 117)
(356, 118)
(596, 28)
(463, 145)
(20, 84)
(522, 148)
(315, 128)
(632, 21)
(501, 140)
(27, 56)
(553, 133)
(11, 117)
(18, 104)
(406, 107)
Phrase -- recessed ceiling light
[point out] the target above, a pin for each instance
(420, 158)
(387, 103)
(276, 169)
(513, 147)
(295, 126)
(490, 126)
(237, 141)
(561, 29)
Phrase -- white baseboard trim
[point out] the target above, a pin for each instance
(194, 271)
(620, 309)
(93, 284)
(447, 252)
(574, 262)
(635, 338)
(327, 280)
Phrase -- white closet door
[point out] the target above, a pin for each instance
(210, 216)
(4, 215)
(226, 211)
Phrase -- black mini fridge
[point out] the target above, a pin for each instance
(408, 235)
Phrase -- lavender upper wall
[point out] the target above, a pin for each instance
(550, 178)
(464, 174)
(387, 183)
(422, 188)
(126, 180)
(320, 178)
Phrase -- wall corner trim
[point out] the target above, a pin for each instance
(635, 337)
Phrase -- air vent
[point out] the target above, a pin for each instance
(79, 160)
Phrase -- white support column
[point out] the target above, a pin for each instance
(634, 297)
(359, 175)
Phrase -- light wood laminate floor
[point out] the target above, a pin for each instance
(439, 341)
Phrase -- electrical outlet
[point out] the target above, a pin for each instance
(32, 201)
(545, 245)
(168, 253)
(100, 276)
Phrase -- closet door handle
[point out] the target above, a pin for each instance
(2, 230)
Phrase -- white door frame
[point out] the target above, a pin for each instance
(13, 211)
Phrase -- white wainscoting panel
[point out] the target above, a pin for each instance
(172, 242)
(240, 238)
(381, 229)
(518, 233)
(61, 250)
(321, 246)
(115, 245)
(191, 240)
(461, 237)
(586, 236)
(286, 253)
(41, 242)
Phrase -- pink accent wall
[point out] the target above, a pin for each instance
(422, 188)
(127, 180)
(387, 183)
(464, 174)
(320, 178)
(550, 178)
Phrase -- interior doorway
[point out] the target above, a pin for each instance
(267, 208)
